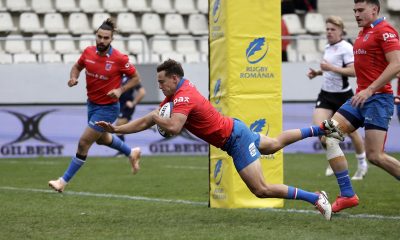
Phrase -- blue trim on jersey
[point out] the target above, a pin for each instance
(180, 83)
(96, 112)
(242, 145)
(109, 52)
(377, 21)
(375, 114)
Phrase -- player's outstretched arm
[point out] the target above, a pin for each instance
(386, 76)
(137, 125)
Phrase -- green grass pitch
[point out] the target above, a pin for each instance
(168, 200)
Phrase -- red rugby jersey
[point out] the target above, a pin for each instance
(369, 50)
(203, 120)
(104, 73)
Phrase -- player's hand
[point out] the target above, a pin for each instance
(359, 99)
(72, 82)
(108, 127)
(325, 66)
(115, 93)
(397, 100)
(312, 73)
(129, 104)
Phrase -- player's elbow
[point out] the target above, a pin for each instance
(174, 130)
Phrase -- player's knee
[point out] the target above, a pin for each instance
(101, 142)
(276, 145)
(83, 143)
(374, 158)
(268, 145)
(333, 149)
(262, 191)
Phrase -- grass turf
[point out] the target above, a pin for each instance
(109, 209)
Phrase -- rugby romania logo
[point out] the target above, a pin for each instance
(217, 91)
(256, 50)
(218, 172)
(216, 10)
(258, 126)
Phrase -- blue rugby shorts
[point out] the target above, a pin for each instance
(242, 145)
(375, 114)
(96, 112)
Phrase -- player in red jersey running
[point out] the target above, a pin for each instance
(336, 67)
(104, 69)
(376, 62)
(195, 113)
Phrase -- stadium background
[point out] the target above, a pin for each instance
(36, 55)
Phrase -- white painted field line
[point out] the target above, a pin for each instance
(342, 214)
(30, 162)
(106, 195)
(177, 201)
(186, 167)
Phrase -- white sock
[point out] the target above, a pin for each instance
(362, 161)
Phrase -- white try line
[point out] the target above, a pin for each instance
(30, 162)
(177, 201)
(186, 167)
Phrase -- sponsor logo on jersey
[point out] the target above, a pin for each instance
(90, 61)
(366, 37)
(181, 100)
(360, 51)
(388, 36)
(108, 66)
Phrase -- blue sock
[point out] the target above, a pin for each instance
(343, 179)
(297, 193)
(119, 145)
(398, 178)
(73, 167)
(311, 131)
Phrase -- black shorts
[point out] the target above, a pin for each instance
(332, 101)
(126, 112)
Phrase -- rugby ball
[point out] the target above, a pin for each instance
(165, 112)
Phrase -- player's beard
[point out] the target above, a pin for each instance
(101, 47)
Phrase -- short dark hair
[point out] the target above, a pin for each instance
(375, 2)
(108, 24)
(171, 67)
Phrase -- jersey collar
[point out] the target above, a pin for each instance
(180, 83)
(377, 21)
(109, 52)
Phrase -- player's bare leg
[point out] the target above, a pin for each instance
(134, 159)
(319, 115)
(374, 144)
(86, 140)
(338, 162)
(362, 165)
(253, 177)
(133, 154)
